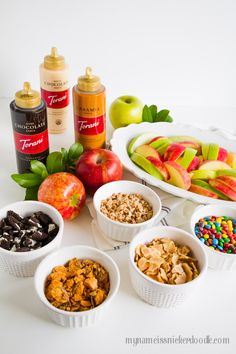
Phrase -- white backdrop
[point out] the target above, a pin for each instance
(176, 52)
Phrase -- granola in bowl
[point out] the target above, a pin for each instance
(79, 285)
(126, 208)
(166, 261)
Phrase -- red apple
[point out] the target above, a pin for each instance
(194, 164)
(223, 188)
(173, 152)
(97, 167)
(63, 191)
(160, 166)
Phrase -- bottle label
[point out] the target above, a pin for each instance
(31, 144)
(90, 126)
(59, 99)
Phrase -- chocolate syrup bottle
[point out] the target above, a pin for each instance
(29, 122)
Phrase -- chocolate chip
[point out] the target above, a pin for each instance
(15, 215)
(39, 236)
(45, 219)
(4, 243)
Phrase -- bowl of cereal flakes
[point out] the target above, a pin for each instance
(124, 208)
(76, 285)
(166, 265)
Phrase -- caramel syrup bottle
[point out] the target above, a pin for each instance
(29, 122)
(89, 103)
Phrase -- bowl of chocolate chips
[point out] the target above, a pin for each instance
(29, 230)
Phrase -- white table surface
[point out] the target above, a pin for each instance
(25, 327)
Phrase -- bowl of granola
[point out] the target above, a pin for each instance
(76, 285)
(124, 208)
(166, 265)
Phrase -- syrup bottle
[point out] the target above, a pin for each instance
(54, 82)
(89, 102)
(29, 122)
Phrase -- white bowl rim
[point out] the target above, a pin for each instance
(204, 268)
(221, 254)
(109, 297)
(39, 250)
(126, 224)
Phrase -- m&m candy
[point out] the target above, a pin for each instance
(218, 233)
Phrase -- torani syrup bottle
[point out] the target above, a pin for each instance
(89, 102)
(29, 122)
(54, 82)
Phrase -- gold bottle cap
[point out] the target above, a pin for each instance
(89, 82)
(54, 61)
(27, 98)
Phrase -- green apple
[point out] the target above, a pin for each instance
(226, 173)
(188, 157)
(125, 110)
(159, 142)
(162, 149)
(213, 152)
(179, 139)
(139, 140)
(205, 148)
(202, 174)
(146, 165)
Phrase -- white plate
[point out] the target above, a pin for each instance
(122, 136)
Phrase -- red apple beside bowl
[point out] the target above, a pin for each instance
(97, 167)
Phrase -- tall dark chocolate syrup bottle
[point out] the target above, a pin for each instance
(29, 122)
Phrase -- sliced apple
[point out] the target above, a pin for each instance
(229, 180)
(195, 188)
(188, 157)
(173, 152)
(222, 156)
(160, 166)
(226, 173)
(211, 189)
(194, 164)
(139, 140)
(202, 174)
(146, 165)
(162, 149)
(223, 188)
(205, 148)
(159, 141)
(192, 145)
(231, 159)
(179, 177)
(179, 139)
(213, 152)
(146, 150)
(214, 165)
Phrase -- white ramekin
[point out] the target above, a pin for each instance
(23, 264)
(153, 292)
(121, 231)
(60, 257)
(216, 260)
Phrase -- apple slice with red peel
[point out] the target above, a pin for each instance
(229, 180)
(146, 150)
(202, 174)
(231, 159)
(146, 165)
(173, 152)
(160, 166)
(214, 165)
(192, 145)
(205, 185)
(205, 148)
(162, 149)
(188, 157)
(157, 138)
(223, 188)
(226, 173)
(159, 141)
(194, 164)
(213, 152)
(222, 156)
(179, 177)
(203, 190)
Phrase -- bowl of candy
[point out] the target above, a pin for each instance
(29, 230)
(215, 227)
(167, 265)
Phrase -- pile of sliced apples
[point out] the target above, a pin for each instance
(185, 162)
